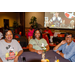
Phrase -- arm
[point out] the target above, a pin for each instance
(33, 50)
(62, 42)
(57, 46)
(1, 60)
(19, 53)
(47, 48)
(46, 44)
(62, 54)
(70, 54)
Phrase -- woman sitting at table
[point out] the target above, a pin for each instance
(67, 47)
(10, 49)
(36, 42)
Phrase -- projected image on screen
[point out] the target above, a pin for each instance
(60, 20)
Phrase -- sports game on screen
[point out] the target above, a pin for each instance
(60, 20)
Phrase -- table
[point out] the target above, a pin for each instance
(34, 57)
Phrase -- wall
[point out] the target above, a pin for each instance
(9, 15)
(40, 20)
(38, 15)
(64, 31)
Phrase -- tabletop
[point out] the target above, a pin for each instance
(34, 57)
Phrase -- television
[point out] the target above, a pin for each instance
(64, 20)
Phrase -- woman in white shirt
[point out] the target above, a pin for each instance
(10, 49)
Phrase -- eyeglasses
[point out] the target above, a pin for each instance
(68, 37)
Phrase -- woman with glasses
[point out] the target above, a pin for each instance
(67, 46)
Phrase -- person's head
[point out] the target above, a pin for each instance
(37, 34)
(8, 34)
(56, 14)
(69, 37)
(31, 27)
(47, 28)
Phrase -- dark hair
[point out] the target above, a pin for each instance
(69, 34)
(32, 26)
(5, 31)
(35, 31)
(48, 27)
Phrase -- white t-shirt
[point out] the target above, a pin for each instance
(1, 35)
(54, 19)
(8, 51)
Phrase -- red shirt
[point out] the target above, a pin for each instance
(49, 31)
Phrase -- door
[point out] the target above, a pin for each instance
(6, 23)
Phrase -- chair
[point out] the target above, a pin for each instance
(61, 35)
(16, 31)
(52, 44)
(20, 33)
(74, 40)
(25, 47)
(26, 34)
(16, 36)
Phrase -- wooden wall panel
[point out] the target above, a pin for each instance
(22, 22)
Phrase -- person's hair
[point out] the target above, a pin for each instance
(48, 27)
(32, 26)
(35, 31)
(69, 34)
(5, 31)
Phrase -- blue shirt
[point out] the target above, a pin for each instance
(68, 51)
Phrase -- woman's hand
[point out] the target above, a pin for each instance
(39, 51)
(63, 42)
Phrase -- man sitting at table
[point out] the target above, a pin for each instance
(67, 46)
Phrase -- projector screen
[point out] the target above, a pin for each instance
(60, 20)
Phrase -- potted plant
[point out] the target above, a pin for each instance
(33, 21)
